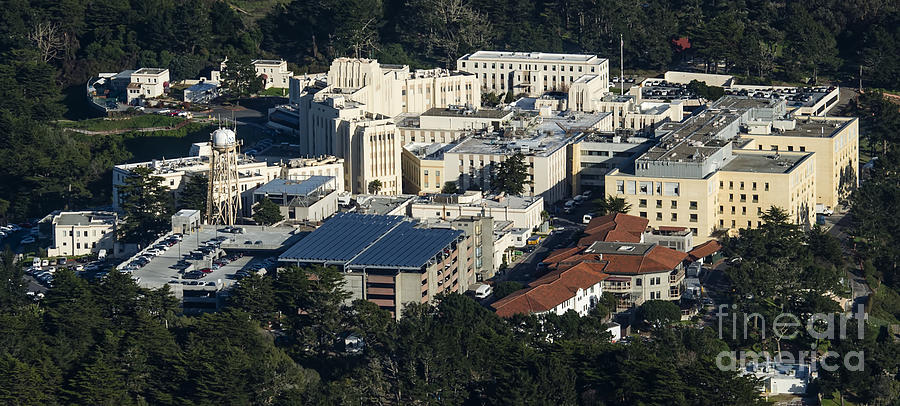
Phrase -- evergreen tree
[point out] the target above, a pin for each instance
(450, 188)
(147, 205)
(239, 77)
(512, 175)
(194, 194)
(266, 212)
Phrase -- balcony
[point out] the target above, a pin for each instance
(380, 278)
(383, 302)
(380, 291)
(676, 277)
(617, 286)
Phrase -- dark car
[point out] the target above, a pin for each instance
(193, 275)
(205, 270)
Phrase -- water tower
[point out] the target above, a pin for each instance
(223, 201)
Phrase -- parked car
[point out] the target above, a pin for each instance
(45, 262)
(28, 240)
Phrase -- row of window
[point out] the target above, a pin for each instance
(741, 185)
(790, 148)
(674, 204)
(484, 65)
(743, 197)
(673, 216)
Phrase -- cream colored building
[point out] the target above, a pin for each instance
(368, 143)
(275, 73)
(423, 169)
(78, 233)
(834, 140)
(394, 89)
(535, 73)
(544, 142)
(522, 211)
(445, 125)
(696, 176)
(147, 83)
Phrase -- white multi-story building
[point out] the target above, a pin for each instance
(273, 72)
(578, 288)
(522, 211)
(534, 73)
(147, 83)
(473, 162)
(368, 143)
(83, 232)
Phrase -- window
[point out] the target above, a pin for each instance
(721, 184)
(721, 209)
(693, 205)
(643, 214)
(742, 185)
(759, 210)
(674, 204)
(638, 282)
(731, 197)
(774, 148)
(743, 210)
(802, 149)
(674, 216)
(755, 198)
(658, 216)
(732, 209)
(642, 203)
(743, 198)
(790, 147)
(693, 217)
(754, 185)
(694, 231)
(730, 185)
(659, 204)
(767, 187)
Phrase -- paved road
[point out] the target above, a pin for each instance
(837, 227)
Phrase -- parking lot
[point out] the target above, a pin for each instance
(209, 257)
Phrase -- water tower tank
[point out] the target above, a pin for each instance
(223, 138)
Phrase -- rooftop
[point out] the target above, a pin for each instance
(538, 145)
(406, 246)
(150, 71)
(341, 238)
(473, 199)
(763, 163)
(267, 62)
(818, 128)
(85, 218)
(304, 187)
(534, 56)
(550, 290)
(463, 111)
(371, 241)
(614, 227)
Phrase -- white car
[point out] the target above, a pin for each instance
(45, 262)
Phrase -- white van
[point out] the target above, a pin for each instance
(587, 218)
(482, 291)
(36, 262)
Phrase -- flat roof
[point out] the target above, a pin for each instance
(620, 248)
(535, 56)
(511, 202)
(463, 112)
(84, 219)
(292, 187)
(816, 128)
(763, 163)
(150, 71)
(163, 268)
(406, 246)
(341, 238)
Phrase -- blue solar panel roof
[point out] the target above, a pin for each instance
(407, 247)
(293, 187)
(341, 238)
